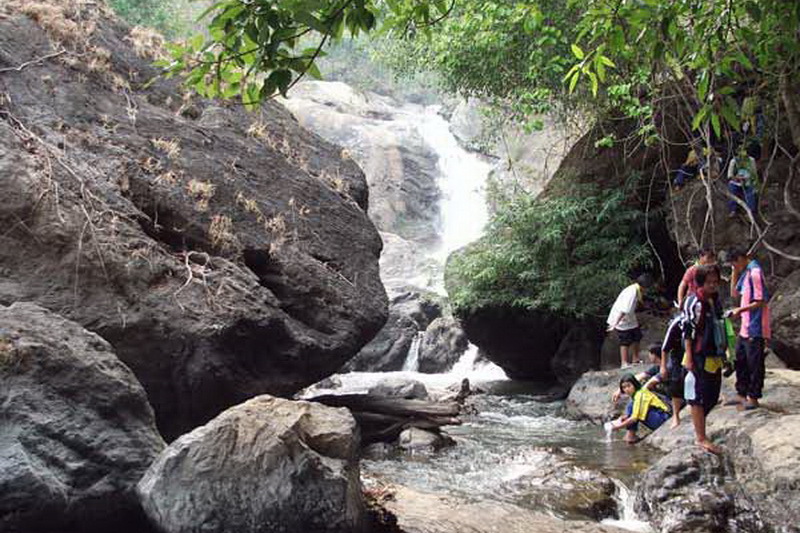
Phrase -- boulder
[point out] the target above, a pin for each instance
(416, 512)
(590, 397)
(416, 439)
(577, 352)
(785, 309)
(443, 344)
(410, 312)
(396, 387)
(223, 253)
(77, 431)
(382, 136)
(266, 465)
(754, 486)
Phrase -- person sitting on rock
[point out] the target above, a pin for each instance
(703, 351)
(622, 319)
(688, 285)
(645, 406)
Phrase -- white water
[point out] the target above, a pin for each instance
(412, 359)
(628, 518)
(462, 184)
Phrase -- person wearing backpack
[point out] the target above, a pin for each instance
(743, 180)
(747, 281)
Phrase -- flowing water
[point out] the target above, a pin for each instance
(503, 447)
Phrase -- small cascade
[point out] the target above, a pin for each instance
(412, 359)
(469, 367)
(628, 519)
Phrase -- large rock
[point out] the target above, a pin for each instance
(590, 398)
(267, 465)
(383, 138)
(416, 512)
(577, 352)
(410, 312)
(397, 387)
(77, 432)
(756, 484)
(222, 257)
(443, 344)
(785, 309)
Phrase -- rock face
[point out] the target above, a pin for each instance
(265, 465)
(410, 312)
(785, 309)
(443, 343)
(417, 512)
(77, 431)
(382, 137)
(754, 486)
(223, 254)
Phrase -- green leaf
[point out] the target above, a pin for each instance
(593, 78)
(607, 62)
(716, 125)
(699, 117)
(730, 116)
(577, 52)
(574, 81)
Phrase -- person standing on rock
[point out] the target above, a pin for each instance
(671, 371)
(703, 351)
(622, 319)
(747, 281)
(688, 285)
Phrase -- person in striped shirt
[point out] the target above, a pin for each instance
(747, 281)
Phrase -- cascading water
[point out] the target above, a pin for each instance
(412, 359)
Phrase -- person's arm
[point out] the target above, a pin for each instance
(664, 371)
(732, 168)
(652, 383)
(623, 422)
(735, 274)
(687, 345)
(682, 288)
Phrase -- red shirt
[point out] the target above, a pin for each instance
(688, 279)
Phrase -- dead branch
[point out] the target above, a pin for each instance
(35, 61)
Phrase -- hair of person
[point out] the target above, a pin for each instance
(754, 149)
(629, 378)
(704, 271)
(736, 252)
(706, 250)
(654, 349)
(645, 280)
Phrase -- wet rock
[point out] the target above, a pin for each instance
(410, 312)
(382, 137)
(590, 397)
(378, 451)
(443, 344)
(417, 512)
(691, 490)
(403, 264)
(577, 353)
(416, 439)
(395, 387)
(551, 481)
(77, 432)
(755, 486)
(266, 465)
(222, 258)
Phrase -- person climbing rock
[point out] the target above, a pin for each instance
(704, 351)
(743, 180)
(645, 406)
(622, 319)
(747, 281)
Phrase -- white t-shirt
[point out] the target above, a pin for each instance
(625, 306)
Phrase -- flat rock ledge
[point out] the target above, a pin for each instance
(408, 511)
(267, 465)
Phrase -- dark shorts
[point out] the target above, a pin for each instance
(706, 389)
(677, 374)
(629, 336)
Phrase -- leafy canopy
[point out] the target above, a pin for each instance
(569, 254)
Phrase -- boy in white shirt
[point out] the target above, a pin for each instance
(622, 319)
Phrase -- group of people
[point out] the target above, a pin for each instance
(699, 344)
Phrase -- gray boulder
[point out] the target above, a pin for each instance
(395, 387)
(443, 343)
(785, 309)
(77, 432)
(590, 398)
(267, 465)
(416, 439)
(223, 258)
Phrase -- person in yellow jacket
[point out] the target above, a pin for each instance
(645, 406)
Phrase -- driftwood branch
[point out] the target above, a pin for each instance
(35, 61)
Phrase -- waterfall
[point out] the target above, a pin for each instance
(628, 519)
(411, 363)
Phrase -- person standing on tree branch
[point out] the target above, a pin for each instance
(622, 319)
(747, 281)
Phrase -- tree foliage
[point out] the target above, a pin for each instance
(566, 254)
